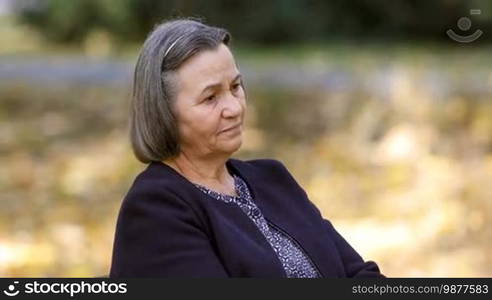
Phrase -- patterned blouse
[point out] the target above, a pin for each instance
(295, 262)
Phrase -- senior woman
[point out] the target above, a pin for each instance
(195, 211)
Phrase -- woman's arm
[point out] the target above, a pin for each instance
(157, 235)
(353, 263)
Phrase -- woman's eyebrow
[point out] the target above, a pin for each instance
(216, 85)
(238, 76)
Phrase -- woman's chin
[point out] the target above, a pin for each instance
(231, 145)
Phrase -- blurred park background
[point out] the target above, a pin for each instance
(382, 118)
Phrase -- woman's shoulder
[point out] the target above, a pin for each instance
(151, 179)
(155, 185)
(263, 168)
(273, 175)
(261, 164)
(157, 197)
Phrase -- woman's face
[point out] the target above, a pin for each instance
(210, 104)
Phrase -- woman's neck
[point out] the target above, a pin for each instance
(211, 173)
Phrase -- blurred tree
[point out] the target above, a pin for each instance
(276, 21)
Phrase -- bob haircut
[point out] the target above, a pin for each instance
(154, 131)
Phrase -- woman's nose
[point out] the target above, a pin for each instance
(232, 107)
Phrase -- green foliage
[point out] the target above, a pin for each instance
(266, 22)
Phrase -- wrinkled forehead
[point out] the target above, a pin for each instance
(207, 67)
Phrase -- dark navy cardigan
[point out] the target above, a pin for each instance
(167, 227)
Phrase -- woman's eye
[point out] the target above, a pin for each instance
(210, 98)
(236, 86)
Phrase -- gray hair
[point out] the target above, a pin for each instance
(153, 126)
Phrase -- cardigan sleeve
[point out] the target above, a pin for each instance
(158, 235)
(353, 263)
